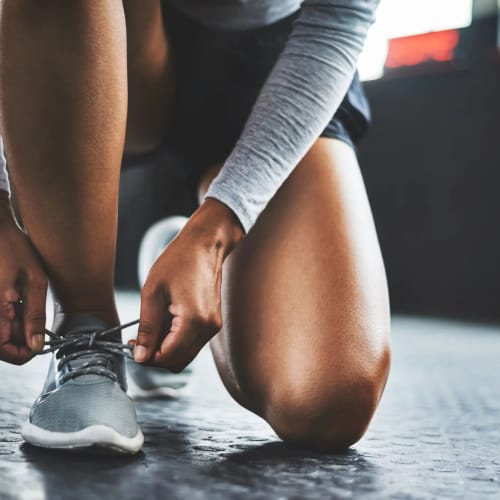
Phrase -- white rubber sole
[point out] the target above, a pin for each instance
(95, 437)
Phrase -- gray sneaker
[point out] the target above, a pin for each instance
(83, 404)
(144, 381)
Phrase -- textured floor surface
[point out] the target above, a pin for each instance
(436, 435)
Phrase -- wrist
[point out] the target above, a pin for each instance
(218, 225)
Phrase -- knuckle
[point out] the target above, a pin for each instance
(213, 323)
(208, 322)
(216, 323)
(35, 317)
(149, 292)
(9, 295)
(146, 329)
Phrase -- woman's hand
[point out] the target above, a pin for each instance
(181, 299)
(21, 278)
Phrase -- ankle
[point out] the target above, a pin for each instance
(64, 317)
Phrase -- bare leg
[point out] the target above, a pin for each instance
(305, 306)
(63, 88)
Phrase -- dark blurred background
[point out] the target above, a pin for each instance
(431, 160)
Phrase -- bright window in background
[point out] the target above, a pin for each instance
(398, 18)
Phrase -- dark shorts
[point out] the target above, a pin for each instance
(219, 75)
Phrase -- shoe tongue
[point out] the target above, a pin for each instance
(80, 323)
(86, 323)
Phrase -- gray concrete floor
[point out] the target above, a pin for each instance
(436, 434)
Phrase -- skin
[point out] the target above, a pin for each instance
(299, 304)
(305, 342)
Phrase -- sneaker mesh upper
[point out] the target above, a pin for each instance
(79, 404)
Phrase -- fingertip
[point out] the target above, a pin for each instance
(140, 353)
(37, 342)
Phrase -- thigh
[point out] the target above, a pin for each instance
(150, 76)
(305, 302)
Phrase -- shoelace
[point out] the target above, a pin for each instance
(96, 345)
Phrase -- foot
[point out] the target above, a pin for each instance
(83, 404)
(144, 381)
(147, 382)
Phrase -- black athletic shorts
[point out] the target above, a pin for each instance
(219, 75)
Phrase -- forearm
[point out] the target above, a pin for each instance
(302, 93)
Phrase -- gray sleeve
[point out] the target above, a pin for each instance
(305, 88)
(4, 178)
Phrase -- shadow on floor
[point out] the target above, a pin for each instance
(237, 469)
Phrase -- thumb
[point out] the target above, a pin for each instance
(150, 323)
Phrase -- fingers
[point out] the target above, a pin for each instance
(178, 348)
(7, 311)
(185, 340)
(15, 354)
(151, 323)
(34, 302)
(12, 346)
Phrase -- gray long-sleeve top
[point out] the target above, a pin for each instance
(305, 88)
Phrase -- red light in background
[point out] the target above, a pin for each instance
(411, 50)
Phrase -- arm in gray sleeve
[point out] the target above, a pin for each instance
(305, 88)
(4, 178)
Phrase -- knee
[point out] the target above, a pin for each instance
(327, 415)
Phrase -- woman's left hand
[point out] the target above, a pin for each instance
(181, 298)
